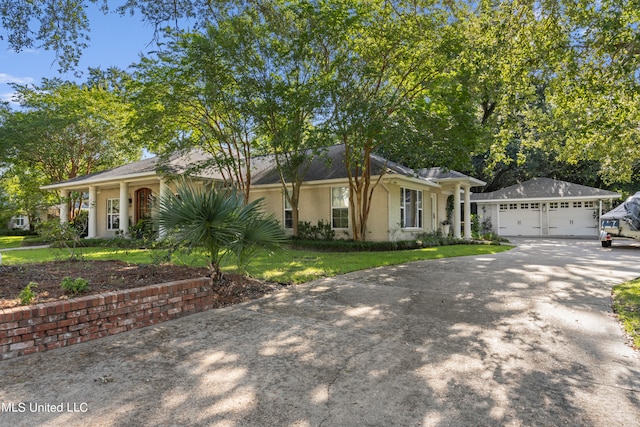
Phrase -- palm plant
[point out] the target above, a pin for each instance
(218, 221)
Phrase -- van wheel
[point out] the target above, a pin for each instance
(609, 242)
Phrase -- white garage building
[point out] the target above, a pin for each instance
(543, 207)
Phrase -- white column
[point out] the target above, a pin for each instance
(456, 212)
(124, 208)
(64, 207)
(163, 189)
(93, 216)
(467, 213)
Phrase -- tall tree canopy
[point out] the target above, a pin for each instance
(65, 130)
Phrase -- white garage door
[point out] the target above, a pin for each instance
(519, 219)
(572, 218)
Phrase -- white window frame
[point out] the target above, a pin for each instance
(287, 210)
(340, 207)
(19, 221)
(411, 211)
(113, 214)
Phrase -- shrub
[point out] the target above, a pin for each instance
(321, 231)
(27, 295)
(74, 286)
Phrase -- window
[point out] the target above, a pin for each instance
(113, 214)
(577, 204)
(553, 205)
(564, 205)
(19, 221)
(503, 206)
(410, 208)
(524, 205)
(340, 207)
(535, 206)
(589, 205)
(288, 214)
(513, 206)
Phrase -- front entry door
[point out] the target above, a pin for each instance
(144, 198)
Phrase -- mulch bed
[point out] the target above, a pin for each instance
(106, 276)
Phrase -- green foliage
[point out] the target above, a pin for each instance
(27, 295)
(217, 221)
(321, 231)
(626, 304)
(61, 235)
(76, 286)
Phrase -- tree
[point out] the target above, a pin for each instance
(65, 130)
(385, 57)
(187, 98)
(219, 221)
(278, 62)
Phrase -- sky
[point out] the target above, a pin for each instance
(114, 41)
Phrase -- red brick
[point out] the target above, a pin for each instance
(45, 326)
(30, 321)
(31, 350)
(76, 313)
(96, 309)
(117, 330)
(8, 325)
(22, 331)
(68, 335)
(21, 345)
(66, 322)
(52, 345)
(33, 335)
(77, 327)
(97, 335)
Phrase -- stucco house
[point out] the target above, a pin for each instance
(543, 207)
(20, 222)
(405, 203)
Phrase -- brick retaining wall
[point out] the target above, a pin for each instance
(41, 327)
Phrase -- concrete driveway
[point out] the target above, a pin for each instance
(521, 338)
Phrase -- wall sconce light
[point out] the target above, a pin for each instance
(544, 207)
(130, 200)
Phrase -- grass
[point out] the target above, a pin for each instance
(8, 242)
(289, 265)
(626, 303)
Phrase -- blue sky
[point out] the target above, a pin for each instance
(115, 41)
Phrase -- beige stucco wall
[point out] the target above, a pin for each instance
(114, 193)
(384, 216)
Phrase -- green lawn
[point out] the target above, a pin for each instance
(626, 303)
(288, 265)
(7, 242)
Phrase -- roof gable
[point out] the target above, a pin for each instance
(544, 188)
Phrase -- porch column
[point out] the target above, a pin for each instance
(163, 189)
(467, 213)
(64, 207)
(124, 208)
(93, 217)
(456, 212)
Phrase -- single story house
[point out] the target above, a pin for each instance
(405, 202)
(543, 207)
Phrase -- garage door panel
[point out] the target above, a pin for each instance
(520, 222)
(572, 221)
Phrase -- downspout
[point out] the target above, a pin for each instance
(388, 210)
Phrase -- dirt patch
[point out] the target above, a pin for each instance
(106, 276)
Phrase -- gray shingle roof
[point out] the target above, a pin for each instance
(544, 188)
(330, 164)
